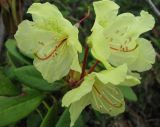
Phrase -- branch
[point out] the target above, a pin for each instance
(154, 8)
(93, 67)
(84, 18)
(90, 71)
(158, 55)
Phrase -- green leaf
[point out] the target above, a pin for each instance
(10, 72)
(15, 55)
(34, 120)
(64, 120)
(128, 93)
(6, 86)
(32, 78)
(13, 109)
(51, 117)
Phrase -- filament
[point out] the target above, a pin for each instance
(52, 52)
(124, 49)
(106, 99)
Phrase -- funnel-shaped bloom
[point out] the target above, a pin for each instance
(115, 38)
(51, 40)
(101, 91)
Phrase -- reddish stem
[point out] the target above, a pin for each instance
(84, 62)
(93, 67)
(90, 70)
(76, 84)
(85, 17)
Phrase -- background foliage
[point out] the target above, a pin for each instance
(19, 79)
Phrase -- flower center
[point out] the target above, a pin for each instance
(124, 48)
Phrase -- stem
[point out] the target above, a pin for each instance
(20, 11)
(40, 114)
(93, 67)
(84, 62)
(46, 105)
(54, 99)
(14, 12)
(158, 55)
(79, 82)
(90, 70)
(154, 8)
(84, 18)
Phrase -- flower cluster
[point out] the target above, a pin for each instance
(52, 41)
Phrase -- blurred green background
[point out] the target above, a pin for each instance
(144, 112)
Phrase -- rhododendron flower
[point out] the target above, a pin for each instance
(51, 40)
(116, 38)
(101, 91)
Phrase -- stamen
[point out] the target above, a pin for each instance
(121, 47)
(111, 39)
(130, 39)
(127, 49)
(107, 99)
(124, 49)
(41, 43)
(117, 31)
(53, 51)
(122, 34)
